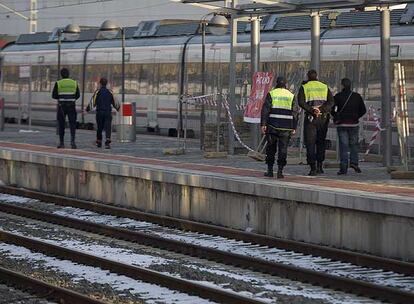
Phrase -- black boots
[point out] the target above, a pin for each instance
(356, 168)
(316, 169)
(319, 168)
(344, 169)
(312, 171)
(108, 144)
(280, 173)
(62, 145)
(269, 172)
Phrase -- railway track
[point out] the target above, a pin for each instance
(396, 295)
(43, 289)
(135, 272)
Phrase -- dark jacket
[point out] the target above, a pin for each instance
(325, 108)
(103, 100)
(267, 106)
(353, 110)
(55, 93)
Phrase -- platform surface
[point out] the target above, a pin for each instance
(147, 151)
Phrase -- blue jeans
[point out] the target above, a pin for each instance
(348, 142)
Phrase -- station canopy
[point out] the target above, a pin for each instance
(287, 7)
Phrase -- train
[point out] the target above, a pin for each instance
(153, 68)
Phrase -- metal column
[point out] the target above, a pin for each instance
(203, 83)
(59, 33)
(386, 138)
(232, 75)
(255, 61)
(2, 106)
(30, 99)
(316, 41)
(123, 65)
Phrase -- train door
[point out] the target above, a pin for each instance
(154, 97)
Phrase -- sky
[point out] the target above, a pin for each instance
(53, 13)
(59, 13)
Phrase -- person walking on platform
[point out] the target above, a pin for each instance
(348, 109)
(66, 92)
(317, 100)
(103, 99)
(278, 122)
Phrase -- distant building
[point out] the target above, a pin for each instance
(51, 14)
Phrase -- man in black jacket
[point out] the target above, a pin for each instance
(348, 109)
(103, 99)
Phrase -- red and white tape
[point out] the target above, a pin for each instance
(372, 113)
(211, 100)
(233, 127)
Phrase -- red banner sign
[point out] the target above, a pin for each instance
(261, 85)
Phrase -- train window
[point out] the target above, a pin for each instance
(409, 78)
(131, 78)
(394, 50)
(168, 79)
(144, 79)
(373, 80)
(295, 72)
(10, 78)
(194, 78)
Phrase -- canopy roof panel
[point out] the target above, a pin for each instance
(297, 6)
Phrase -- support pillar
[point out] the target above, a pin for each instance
(203, 84)
(255, 62)
(386, 135)
(232, 75)
(316, 41)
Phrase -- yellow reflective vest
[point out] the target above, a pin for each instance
(316, 93)
(67, 89)
(281, 113)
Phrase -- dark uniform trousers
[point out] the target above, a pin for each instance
(103, 120)
(315, 139)
(277, 141)
(68, 109)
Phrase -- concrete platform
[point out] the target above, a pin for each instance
(370, 215)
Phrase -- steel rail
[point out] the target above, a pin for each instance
(357, 287)
(55, 293)
(135, 272)
(360, 259)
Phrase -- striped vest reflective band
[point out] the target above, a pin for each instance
(316, 93)
(67, 89)
(281, 115)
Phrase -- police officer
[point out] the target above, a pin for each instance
(103, 99)
(317, 100)
(278, 121)
(66, 92)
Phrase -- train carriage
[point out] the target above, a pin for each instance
(153, 65)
